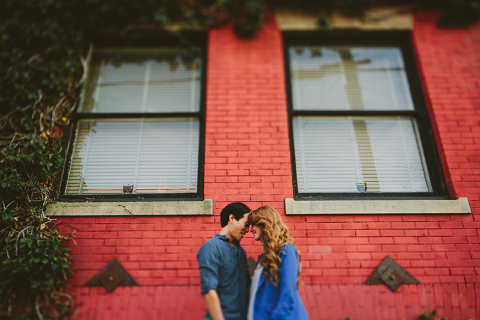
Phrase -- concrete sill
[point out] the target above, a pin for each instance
(157, 208)
(320, 207)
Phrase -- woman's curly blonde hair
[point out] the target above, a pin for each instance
(275, 236)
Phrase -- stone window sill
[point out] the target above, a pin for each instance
(323, 207)
(157, 208)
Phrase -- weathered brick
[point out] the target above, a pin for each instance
(394, 248)
(416, 233)
(437, 271)
(359, 256)
(440, 232)
(355, 240)
(367, 233)
(434, 255)
(380, 240)
(430, 240)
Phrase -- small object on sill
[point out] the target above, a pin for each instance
(127, 188)
(362, 187)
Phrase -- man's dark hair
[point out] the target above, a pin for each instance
(238, 210)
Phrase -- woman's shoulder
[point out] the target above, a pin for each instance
(288, 249)
(289, 258)
(290, 246)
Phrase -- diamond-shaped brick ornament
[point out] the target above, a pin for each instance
(390, 274)
(112, 276)
(393, 276)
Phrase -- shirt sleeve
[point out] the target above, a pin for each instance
(288, 284)
(208, 263)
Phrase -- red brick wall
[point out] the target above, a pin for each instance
(247, 155)
(247, 159)
(449, 62)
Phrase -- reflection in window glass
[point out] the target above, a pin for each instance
(138, 81)
(348, 78)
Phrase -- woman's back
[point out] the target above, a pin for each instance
(281, 301)
(276, 296)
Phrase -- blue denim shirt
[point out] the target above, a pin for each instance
(225, 270)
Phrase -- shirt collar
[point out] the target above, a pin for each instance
(222, 237)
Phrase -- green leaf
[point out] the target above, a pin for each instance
(6, 215)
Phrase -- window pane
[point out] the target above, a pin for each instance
(153, 155)
(126, 81)
(334, 154)
(348, 78)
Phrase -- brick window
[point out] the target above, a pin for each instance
(140, 124)
(359, 127)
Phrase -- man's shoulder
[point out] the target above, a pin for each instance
(212, 241)
(211, 244)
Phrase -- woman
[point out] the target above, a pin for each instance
(274, 293)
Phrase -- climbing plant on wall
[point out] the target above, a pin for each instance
(43, 44)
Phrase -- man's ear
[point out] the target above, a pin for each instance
(231, 217)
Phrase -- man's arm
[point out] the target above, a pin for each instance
(207, 258)
(213, 305)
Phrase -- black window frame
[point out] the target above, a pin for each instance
(402, 40)
(196, 40)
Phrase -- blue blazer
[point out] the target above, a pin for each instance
(281, 302)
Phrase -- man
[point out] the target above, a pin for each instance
(223, 267)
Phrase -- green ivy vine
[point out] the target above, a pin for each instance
(430, 315)
(43, 44)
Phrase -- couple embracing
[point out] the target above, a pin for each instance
(273, 292)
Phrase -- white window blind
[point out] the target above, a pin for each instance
(339, 154)
(333, 154)
(153, 155)
(146, 80)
